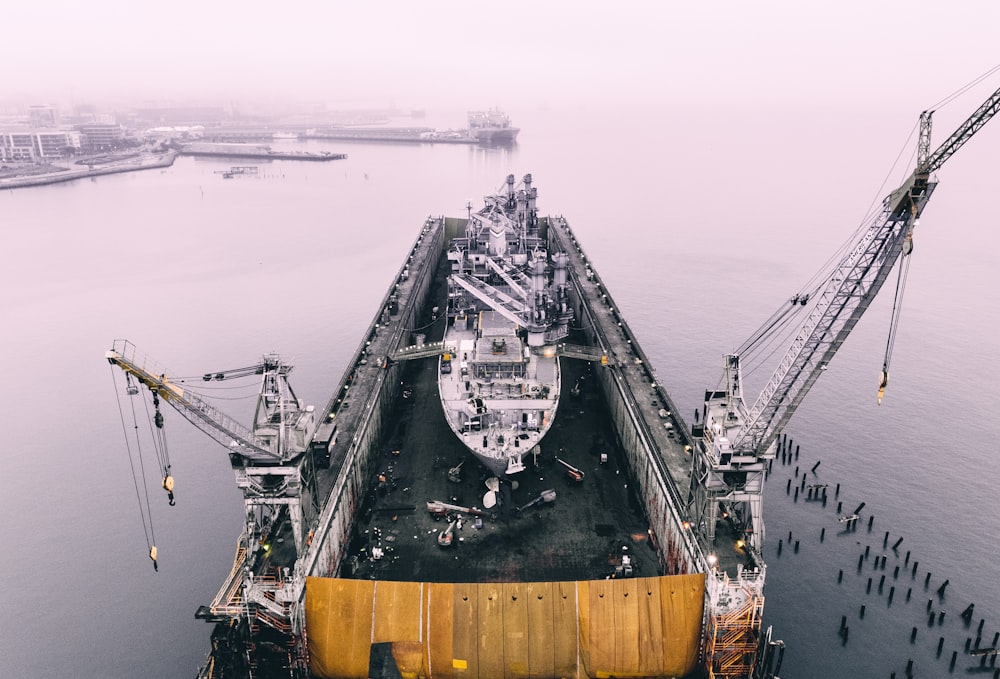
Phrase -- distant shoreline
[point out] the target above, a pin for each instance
(131, 164)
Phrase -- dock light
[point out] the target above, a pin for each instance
(712, 560)
(740, 544)
(686, 525)
(549, 352)
(266, 546)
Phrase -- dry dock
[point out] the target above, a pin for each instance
(383, 451)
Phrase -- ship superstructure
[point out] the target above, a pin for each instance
(508, 306)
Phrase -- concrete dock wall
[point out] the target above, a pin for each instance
(658, 464)
(366, 425)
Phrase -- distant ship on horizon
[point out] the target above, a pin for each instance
(492, 127)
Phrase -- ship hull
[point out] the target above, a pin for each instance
(503, 135)
(499, 419)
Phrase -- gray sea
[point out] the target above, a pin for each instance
(701, 222)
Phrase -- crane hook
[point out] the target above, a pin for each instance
(168, 485)
(883, 381)
(152, 555)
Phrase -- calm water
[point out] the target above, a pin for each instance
(700, 230)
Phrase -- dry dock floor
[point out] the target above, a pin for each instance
(582, 535)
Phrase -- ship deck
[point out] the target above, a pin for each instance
(582, 535)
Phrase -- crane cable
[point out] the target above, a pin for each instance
(963, 89)
(897, 306)
(144, 510)
(160, 446)
(779, 320)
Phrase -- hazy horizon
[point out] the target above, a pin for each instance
(518, 54)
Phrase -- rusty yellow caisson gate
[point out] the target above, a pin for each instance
(634, 627)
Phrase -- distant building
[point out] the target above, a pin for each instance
(42, 116)
(17, 146)
(182, 132)
(38, 145)
(98, 136)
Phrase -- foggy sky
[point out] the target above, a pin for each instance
(478, 54)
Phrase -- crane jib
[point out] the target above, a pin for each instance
(736, 442)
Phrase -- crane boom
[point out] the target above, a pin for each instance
(849, 291)
(268, 460)
(736, 441)
(847, 295)
(965, 131)
(221, 427)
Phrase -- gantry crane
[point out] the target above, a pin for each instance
(268, 459)
(735, 441)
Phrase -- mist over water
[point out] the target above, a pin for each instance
(700, 231)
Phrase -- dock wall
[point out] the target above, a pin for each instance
(378, 382)
(625, 380)
(149, 163)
